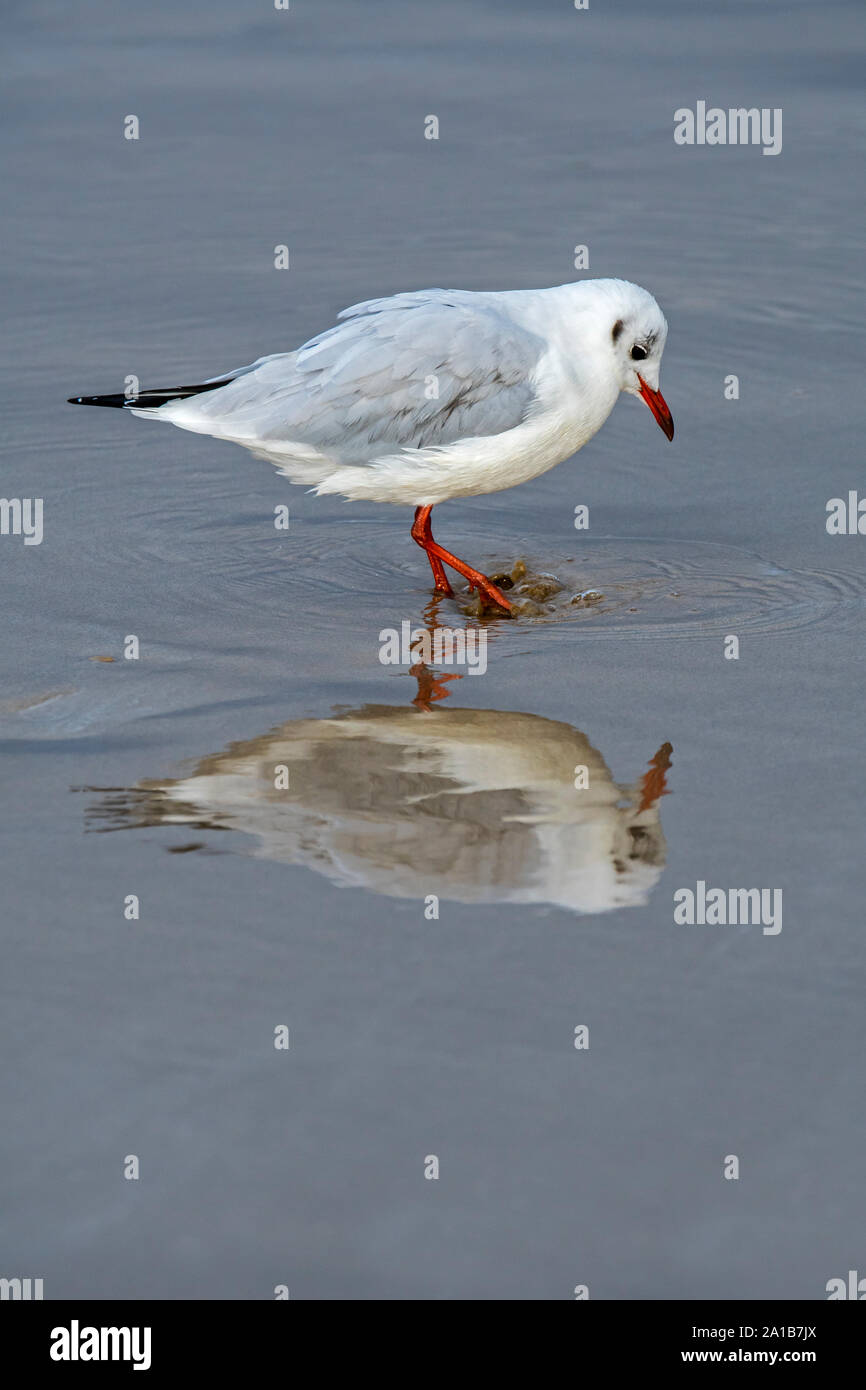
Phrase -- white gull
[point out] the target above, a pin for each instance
(435, 394)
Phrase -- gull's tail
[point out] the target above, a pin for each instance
(150, 400)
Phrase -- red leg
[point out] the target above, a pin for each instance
(422, 533)
(653, 783)
(431, 687)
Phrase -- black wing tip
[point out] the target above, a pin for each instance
(118, 401)
(150, 400)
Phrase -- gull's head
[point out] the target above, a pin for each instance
(635, 330)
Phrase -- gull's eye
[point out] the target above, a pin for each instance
(638, 353)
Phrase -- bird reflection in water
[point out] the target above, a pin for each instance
(476, 806)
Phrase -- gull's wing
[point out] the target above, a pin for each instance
(414, 370)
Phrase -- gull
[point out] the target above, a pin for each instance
(475, 805)
(435, 394)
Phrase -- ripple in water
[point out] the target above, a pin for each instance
(625, 588)
(327, 574)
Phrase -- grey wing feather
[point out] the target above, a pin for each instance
(412, 371)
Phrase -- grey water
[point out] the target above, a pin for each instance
(312, 907)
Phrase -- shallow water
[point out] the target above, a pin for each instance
(413, 1035)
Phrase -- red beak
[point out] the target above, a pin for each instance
(659, 407)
